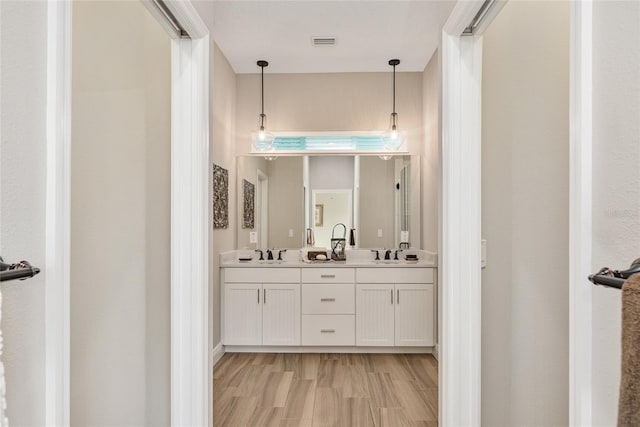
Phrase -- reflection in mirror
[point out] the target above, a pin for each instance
(378, 198)
(331, 207)
(385, 192)
(278, 206)
(331, 183)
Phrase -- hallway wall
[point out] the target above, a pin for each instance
(120, 216)
(616, 185)
(525, 208)
(23, 151)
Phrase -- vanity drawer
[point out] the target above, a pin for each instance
(262, 275)
(328, 275)
(328, 299)
(394, 275)
(328, 329)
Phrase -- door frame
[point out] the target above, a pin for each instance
(459, 241)
(191, 368)
(580, 213)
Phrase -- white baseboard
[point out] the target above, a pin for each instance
(320, 349)
(217, 353)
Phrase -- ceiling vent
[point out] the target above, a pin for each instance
(323, 41)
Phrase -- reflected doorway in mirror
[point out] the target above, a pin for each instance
(319, 215)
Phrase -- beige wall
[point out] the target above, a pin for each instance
(616, 184)
(223, 151)
(329, 102)
(23, 79)
(120, 216)
(430, 154)
(525, 180)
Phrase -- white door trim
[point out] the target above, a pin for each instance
(460, 212)
(580, 194)
(191, 374)
(459, 253)
(58, 214)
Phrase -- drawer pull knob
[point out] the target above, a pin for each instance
(328, 331)
(327, 299)
(328, 276)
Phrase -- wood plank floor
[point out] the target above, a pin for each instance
(268, 389)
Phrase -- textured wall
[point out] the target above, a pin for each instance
(23, 34)
(616, 184)
(525, 193)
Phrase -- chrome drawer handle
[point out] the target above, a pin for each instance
(327, 299)
(328, 331)
(328, 276)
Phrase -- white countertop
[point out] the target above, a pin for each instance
(294, 258)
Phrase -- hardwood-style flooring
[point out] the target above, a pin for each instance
(313, 390)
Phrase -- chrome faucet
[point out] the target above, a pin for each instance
(280, 254)
(261, 254)
(269, 255)
(377, 254)
(396, 256)
(387, 254)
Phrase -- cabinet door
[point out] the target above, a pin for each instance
(374, 314)
(414, 315)
(281, 314)
(242, 314)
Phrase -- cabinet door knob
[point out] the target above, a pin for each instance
(327, 331)
(398, 297)
(391, 296)
(258, 296)
(328, 276)
(327, 299)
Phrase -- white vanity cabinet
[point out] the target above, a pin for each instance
(395, 307)
(261, 306)
(328, 307)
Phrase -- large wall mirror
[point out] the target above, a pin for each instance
(279, 199)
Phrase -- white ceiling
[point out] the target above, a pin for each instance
(368, 34)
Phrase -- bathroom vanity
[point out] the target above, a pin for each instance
(361, 305)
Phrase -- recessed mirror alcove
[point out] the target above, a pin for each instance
(378, 198)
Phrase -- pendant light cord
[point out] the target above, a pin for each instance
(394, 89)
(394, 116)
(262, 63)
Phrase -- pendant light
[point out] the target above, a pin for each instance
(263, 117)
(394, 116)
